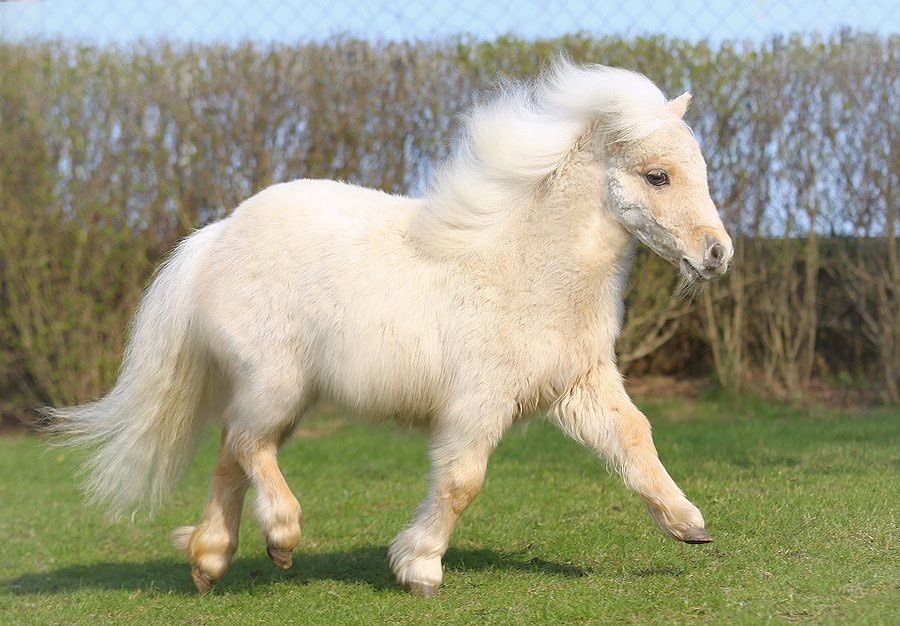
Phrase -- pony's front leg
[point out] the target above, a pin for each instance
(459, 461)
(598, 412)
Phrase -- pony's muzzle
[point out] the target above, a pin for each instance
(717, 255)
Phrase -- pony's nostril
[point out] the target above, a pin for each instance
(715, 256)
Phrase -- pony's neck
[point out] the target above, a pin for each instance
(570, 227)
(562, 225)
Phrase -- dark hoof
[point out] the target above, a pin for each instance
(423, 589)
(201, 581)
(697, 535)
(281, 558)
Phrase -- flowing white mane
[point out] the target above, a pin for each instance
(512, 143)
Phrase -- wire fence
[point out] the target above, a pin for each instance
(126, 21)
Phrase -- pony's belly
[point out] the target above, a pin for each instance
(383, 377)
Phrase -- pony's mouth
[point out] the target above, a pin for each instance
(692, 274)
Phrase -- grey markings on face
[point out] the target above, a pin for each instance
(640, 221)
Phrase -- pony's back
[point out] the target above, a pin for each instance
(309, 267)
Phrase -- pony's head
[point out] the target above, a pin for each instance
(656, 179)
(650, 161)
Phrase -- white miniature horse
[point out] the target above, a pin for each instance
(495, 297)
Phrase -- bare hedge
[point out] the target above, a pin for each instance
(108, 156)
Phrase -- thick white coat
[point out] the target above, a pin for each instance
(496, 296)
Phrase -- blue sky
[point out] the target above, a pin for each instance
(124, 21)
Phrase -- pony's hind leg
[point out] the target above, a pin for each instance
(262, 418)
(258, 419)
(211, 544)
(276, 509)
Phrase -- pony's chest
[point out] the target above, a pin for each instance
(557, 352)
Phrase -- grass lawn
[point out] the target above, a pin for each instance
(802, 507)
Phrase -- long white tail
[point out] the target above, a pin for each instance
(143, 433)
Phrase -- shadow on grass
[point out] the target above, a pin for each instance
(366, 565)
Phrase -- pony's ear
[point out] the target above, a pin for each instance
(679, 105)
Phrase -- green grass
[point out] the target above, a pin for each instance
(802, 508)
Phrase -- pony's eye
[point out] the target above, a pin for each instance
(657, 178)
